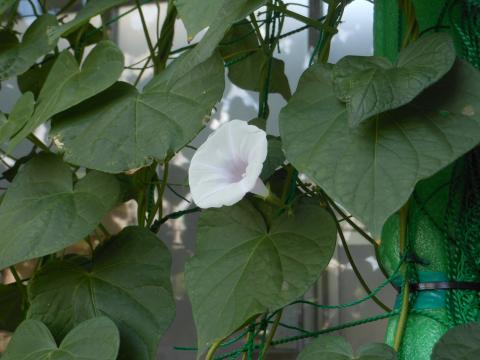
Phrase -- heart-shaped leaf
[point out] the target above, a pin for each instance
(241, 268)
(228, 13)
(68, 85)
(250, 72)
(337, 348)
(11, 304)
(126, 129)
(459, 343)
(91, 9)
(43, 212)
(372, 85)
(95, 339)
(129, 280)
(35, 43)
(372, 169)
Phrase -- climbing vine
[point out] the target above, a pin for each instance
(358, 141)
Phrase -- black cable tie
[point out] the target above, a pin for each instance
(445, 285)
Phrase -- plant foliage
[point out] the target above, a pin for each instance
(355, 139)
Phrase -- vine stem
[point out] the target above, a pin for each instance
(161, 190)
(21, 288)
(355, 269)
(273, 330)
(352, 223)
(273, 199)
(254, 22)
(177, 214)
(66, 6)
(213, 349)
(34, 8)
(147, 35)
(306, 20)
(333, 19)
(402, 320)
(104, 230)
(413, 29)
(37, 142)
(142, 71)
(245, 353)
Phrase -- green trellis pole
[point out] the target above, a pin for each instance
(439, 230)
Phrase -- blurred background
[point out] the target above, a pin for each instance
(339, 284)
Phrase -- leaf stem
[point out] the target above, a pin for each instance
(273, 330)
(250, 335)
(306, 20)
(351, 260)
(104, 230)
(147, 35)
(66, 7)
(258, 33)
(21, 288)
(174, 215)
(413, 30)
(352, 223)
(88, 240)
(160, 191)
(38, 143)
(333, 18)
(402, 320)
(275, 200)
(163, 185)
(213, 349)
(142, 71)
(34, 8)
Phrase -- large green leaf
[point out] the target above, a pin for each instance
(11, 304)
(91, 9)
(241, 268)
(22, 112)
(43, 211)
(372, 169)
(228, 13)
(125, 129)
(372, 85)
(68, 85)
(337, 348)
(95, 339)
(459, 343)
(129, 281)
(35, 43)
(250, 72)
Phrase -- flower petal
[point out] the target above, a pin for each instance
(260, 189)
(228, 164)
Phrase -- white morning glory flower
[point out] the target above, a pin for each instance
(228, 165)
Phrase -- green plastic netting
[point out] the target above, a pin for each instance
(444, 216)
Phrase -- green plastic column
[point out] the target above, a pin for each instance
(425, 232)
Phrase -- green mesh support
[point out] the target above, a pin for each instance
(444, 217)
